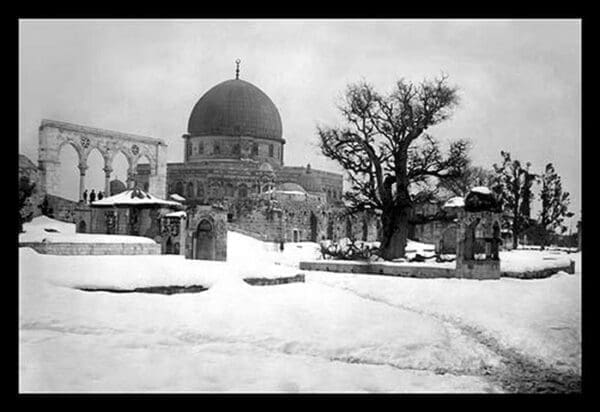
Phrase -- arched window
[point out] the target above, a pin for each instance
(235, 149)
(254, 148)
(217, 148)
(179, 188)
(201, 148)
(190, 190)
(270, 150)
(199, 190)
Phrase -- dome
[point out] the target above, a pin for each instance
(265, 167)
(235, 108)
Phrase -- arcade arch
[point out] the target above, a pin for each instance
(86, 141)
(68, 172)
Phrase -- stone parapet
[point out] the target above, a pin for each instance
(386, 269)
(93, 248)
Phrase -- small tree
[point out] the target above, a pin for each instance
(375, 147)
(555, 204)
(512, 184)
(25, 214)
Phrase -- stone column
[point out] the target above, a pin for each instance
(82, 169)
(107, 171)
(131, 178)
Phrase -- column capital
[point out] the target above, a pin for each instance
(82, 168)
(107, 170)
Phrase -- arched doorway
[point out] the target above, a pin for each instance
(82, 227)
(205, 241)
(313, 227)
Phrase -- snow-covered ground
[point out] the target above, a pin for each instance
(45, 229)
(334, 333)
(233, 337)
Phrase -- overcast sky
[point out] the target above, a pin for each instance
(519, 81)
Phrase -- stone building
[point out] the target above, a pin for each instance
(234, 148)
(233, 156)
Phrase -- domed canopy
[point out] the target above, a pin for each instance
(235, 108)
(290, 187)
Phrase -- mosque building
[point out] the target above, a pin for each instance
(234, 147)
(233, 157)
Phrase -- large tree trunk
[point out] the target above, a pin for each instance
(395, 233)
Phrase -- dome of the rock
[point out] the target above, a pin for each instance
(235, 108)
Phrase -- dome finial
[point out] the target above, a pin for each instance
(237, 68)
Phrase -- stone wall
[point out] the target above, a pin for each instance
(290, 220)
(29, 170)
(94, 248)
(388, 269)
(63, 209)
(274, 281)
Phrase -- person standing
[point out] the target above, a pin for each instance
(100, 195)
(93, 196)
(85, 196)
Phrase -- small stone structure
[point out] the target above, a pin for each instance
(133, 212)
(478, 223)
(205, 235)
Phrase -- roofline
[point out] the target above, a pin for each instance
(101, 132)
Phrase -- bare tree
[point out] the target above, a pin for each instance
(473, 176)
(375, 147)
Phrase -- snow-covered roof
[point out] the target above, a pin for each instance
(134, 197)
(180, 213)
(177, 197)
(290, 187)
(455, 202)
(482, 189)
(290, 192)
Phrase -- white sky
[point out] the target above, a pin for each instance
(520, 81)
